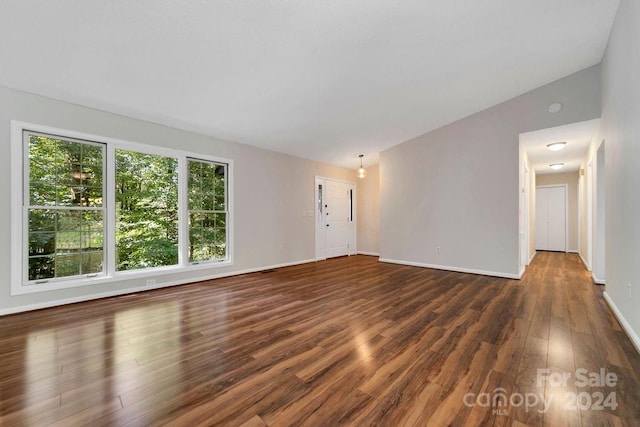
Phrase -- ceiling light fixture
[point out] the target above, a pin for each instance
(556, 146)
(361, 172)
(556, 166)
(555, 107)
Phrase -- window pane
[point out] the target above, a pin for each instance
(42, 170)
(54, 244)
(67, 265)
(207, 211)
(195, 185)
(66, 177)
(42, 220)
(91, 241)
(61, 170)
(69, 220)
(221, 220)
(67, 241)
(42, 267)
(42, 243)
(146, 210)
(42, 193)
(220, 188)
(92, 262)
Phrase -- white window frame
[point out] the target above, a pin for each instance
(185, 224)
(25, 209)
(19, 229)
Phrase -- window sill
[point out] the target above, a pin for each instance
(116, 277)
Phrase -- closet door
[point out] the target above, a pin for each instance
(541, 219)
(556, 219)
(551, 219)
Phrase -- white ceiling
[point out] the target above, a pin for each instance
(320, 79)
(576, 135)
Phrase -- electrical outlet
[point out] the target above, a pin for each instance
(151, 282)
(437, 249)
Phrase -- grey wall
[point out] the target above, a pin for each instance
(369, 211)
(457, 187)
(621, 127)
(571, 179)
(271, 192)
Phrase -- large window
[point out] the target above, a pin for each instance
(87, 208)
(65, 211)
(207, 211)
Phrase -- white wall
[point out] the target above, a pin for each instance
(584, 202)
(528, 207)
(271, 193)
(587, 198)
(457, 187)
(621, 128)
(599, 239)
(571, 179)
(369, 211)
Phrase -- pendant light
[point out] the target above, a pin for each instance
(361, 172)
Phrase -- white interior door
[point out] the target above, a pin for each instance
(335, 220)
(556, 219)
(551, 219)
(338, 203)
(541, 219)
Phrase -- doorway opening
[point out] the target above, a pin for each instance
(556, 157)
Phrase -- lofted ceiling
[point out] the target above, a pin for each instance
(577, 136)
(320, 79)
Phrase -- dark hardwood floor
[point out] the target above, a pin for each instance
(346, 341)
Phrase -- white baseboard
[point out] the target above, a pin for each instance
(368, 253)
(524, 267)
(635, 340)
(64, 301)
(532, 257)
(449, 268)
(597, 280)
(584, 262)
(572, 251)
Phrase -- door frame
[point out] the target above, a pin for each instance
(566, 210)
(353, 249)
(525, 258)
(599, 236)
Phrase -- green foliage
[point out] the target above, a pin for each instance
(66, 215)
(64, 173)
(207, 216)
(65, 188)
(146, 210)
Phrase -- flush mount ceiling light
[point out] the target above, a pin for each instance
(361, 172)
(556, 166)
(556, 146)
(555, 107)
